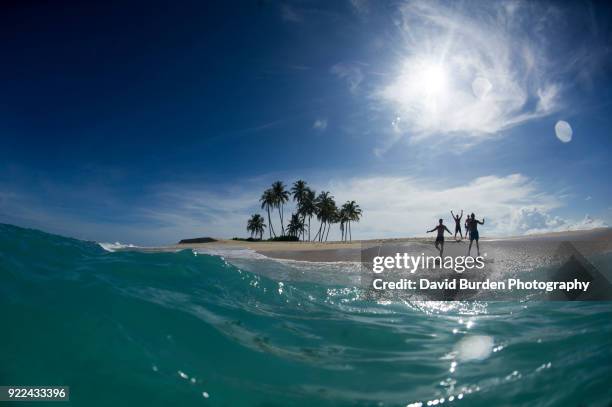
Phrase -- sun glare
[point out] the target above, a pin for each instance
(428, 81)
(433, 79)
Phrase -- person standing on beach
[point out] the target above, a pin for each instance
(440, 238)
(467, 227)
(457, 219)
(473, 226)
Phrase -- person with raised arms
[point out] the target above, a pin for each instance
(457, 219)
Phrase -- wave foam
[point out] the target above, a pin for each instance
(111, 247)
(237, 253)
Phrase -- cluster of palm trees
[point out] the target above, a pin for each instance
(308, 205)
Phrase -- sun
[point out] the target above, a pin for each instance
(424, 88)
(432, 78)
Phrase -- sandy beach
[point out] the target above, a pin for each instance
(350, 251)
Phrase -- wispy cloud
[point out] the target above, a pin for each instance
(403, 206)
(349, 72)
(320, 124)
(189, 211)
(299, 67)
(289, 13)
(470, 72)
(164, 213)
(361, 7)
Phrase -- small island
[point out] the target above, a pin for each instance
(323, 207)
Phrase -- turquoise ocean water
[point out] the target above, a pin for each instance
(188, 329)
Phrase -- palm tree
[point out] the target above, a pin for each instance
(308, 204)
(319, 205)
(353, 214)
(299, 191)
(256, 225)
(307, 208)
(251, 225)
(333, 216)
(343, 219)
(281, 196)
(268, 201)
(260, 226)
(295, 226)
(326, 214)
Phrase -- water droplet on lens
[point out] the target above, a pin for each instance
(564, 131)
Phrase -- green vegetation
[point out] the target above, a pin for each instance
(274, 239)
(308, 205)
(284, 238)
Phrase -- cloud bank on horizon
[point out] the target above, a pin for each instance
(392, 207)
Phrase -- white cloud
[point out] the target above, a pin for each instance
(320, 124)
(548, 97)
(349, 72)
(469, 73)
(588, 198)
(588, 223)
(402, 206)
(534, 220)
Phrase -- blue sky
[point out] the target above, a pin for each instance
(147, 124)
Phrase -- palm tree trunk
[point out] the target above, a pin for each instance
(350, 232)
(319, 232)
(271, 229)
(328, 229)
(280, 213)
(309, 227)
